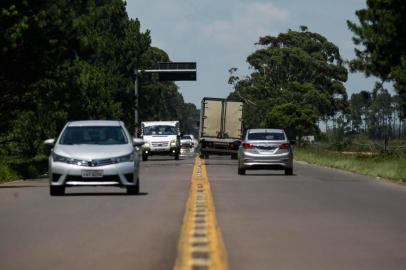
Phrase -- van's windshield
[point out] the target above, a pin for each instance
(160, 130)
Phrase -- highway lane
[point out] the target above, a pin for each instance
(95, 228)
(318, 218)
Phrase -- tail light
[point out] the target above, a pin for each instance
(248, 145)
(284, 146)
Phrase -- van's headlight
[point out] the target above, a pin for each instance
(146, 144)
(173, 142)
(126, 158)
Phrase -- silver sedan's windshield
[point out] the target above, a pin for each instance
(260, 136)
(103, 135)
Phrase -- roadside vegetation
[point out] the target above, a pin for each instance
(389, 165)
(74, 60)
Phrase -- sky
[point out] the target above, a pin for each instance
(220, 34)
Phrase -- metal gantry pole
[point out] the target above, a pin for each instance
(136, 96)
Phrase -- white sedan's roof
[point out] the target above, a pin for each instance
(95, 123)
(265, 130)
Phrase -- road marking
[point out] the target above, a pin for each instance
(200, 244)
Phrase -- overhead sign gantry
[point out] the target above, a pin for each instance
(165, 71)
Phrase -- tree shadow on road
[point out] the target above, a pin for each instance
(90, 194)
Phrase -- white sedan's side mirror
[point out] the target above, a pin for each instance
(138, 142)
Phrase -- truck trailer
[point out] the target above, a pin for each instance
(220, 130)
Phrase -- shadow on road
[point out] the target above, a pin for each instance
(22, 186)
(85, 194)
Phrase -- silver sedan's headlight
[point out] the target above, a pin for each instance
(59, 158)
(126, 158)
(98, 162)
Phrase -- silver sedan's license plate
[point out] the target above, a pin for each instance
(92, 173)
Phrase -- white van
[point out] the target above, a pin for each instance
(161, 138)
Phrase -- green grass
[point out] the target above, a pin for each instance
(22, 168)
(385, 166)
(7, 174)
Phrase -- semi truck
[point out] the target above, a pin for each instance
(161, 138)
(220, 130)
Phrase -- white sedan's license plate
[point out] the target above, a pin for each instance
(92, 173)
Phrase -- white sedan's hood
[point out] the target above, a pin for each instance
(91, 152)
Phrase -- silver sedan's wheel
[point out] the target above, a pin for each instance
(56, 190)
(241, 171)
(131, 190)
(289, 171)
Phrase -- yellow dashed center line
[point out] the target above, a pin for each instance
(200, 244)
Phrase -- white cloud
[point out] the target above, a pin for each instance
(246, 23)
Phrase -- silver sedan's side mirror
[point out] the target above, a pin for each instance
(138, 142)
(49, 143)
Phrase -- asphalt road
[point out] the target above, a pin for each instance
(316, 219)
(95, 227)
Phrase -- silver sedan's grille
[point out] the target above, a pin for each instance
(92, 163)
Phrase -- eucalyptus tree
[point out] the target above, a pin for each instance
(300, 68)
(380, 37)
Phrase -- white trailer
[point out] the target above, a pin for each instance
(220, 127)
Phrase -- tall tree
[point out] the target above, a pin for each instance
(381, 40)
(67, 60)
(301, 68)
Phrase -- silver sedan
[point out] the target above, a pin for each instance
(94, 153)
(267, 149)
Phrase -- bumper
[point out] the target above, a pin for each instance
(255, 161)
(121, 174)
(161, 152)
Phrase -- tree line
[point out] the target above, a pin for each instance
(297, 79)
(65, 60)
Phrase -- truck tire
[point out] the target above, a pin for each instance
(289, 171)
(144, 157)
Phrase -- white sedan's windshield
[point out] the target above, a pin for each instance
(103, 135)
(160, 130)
